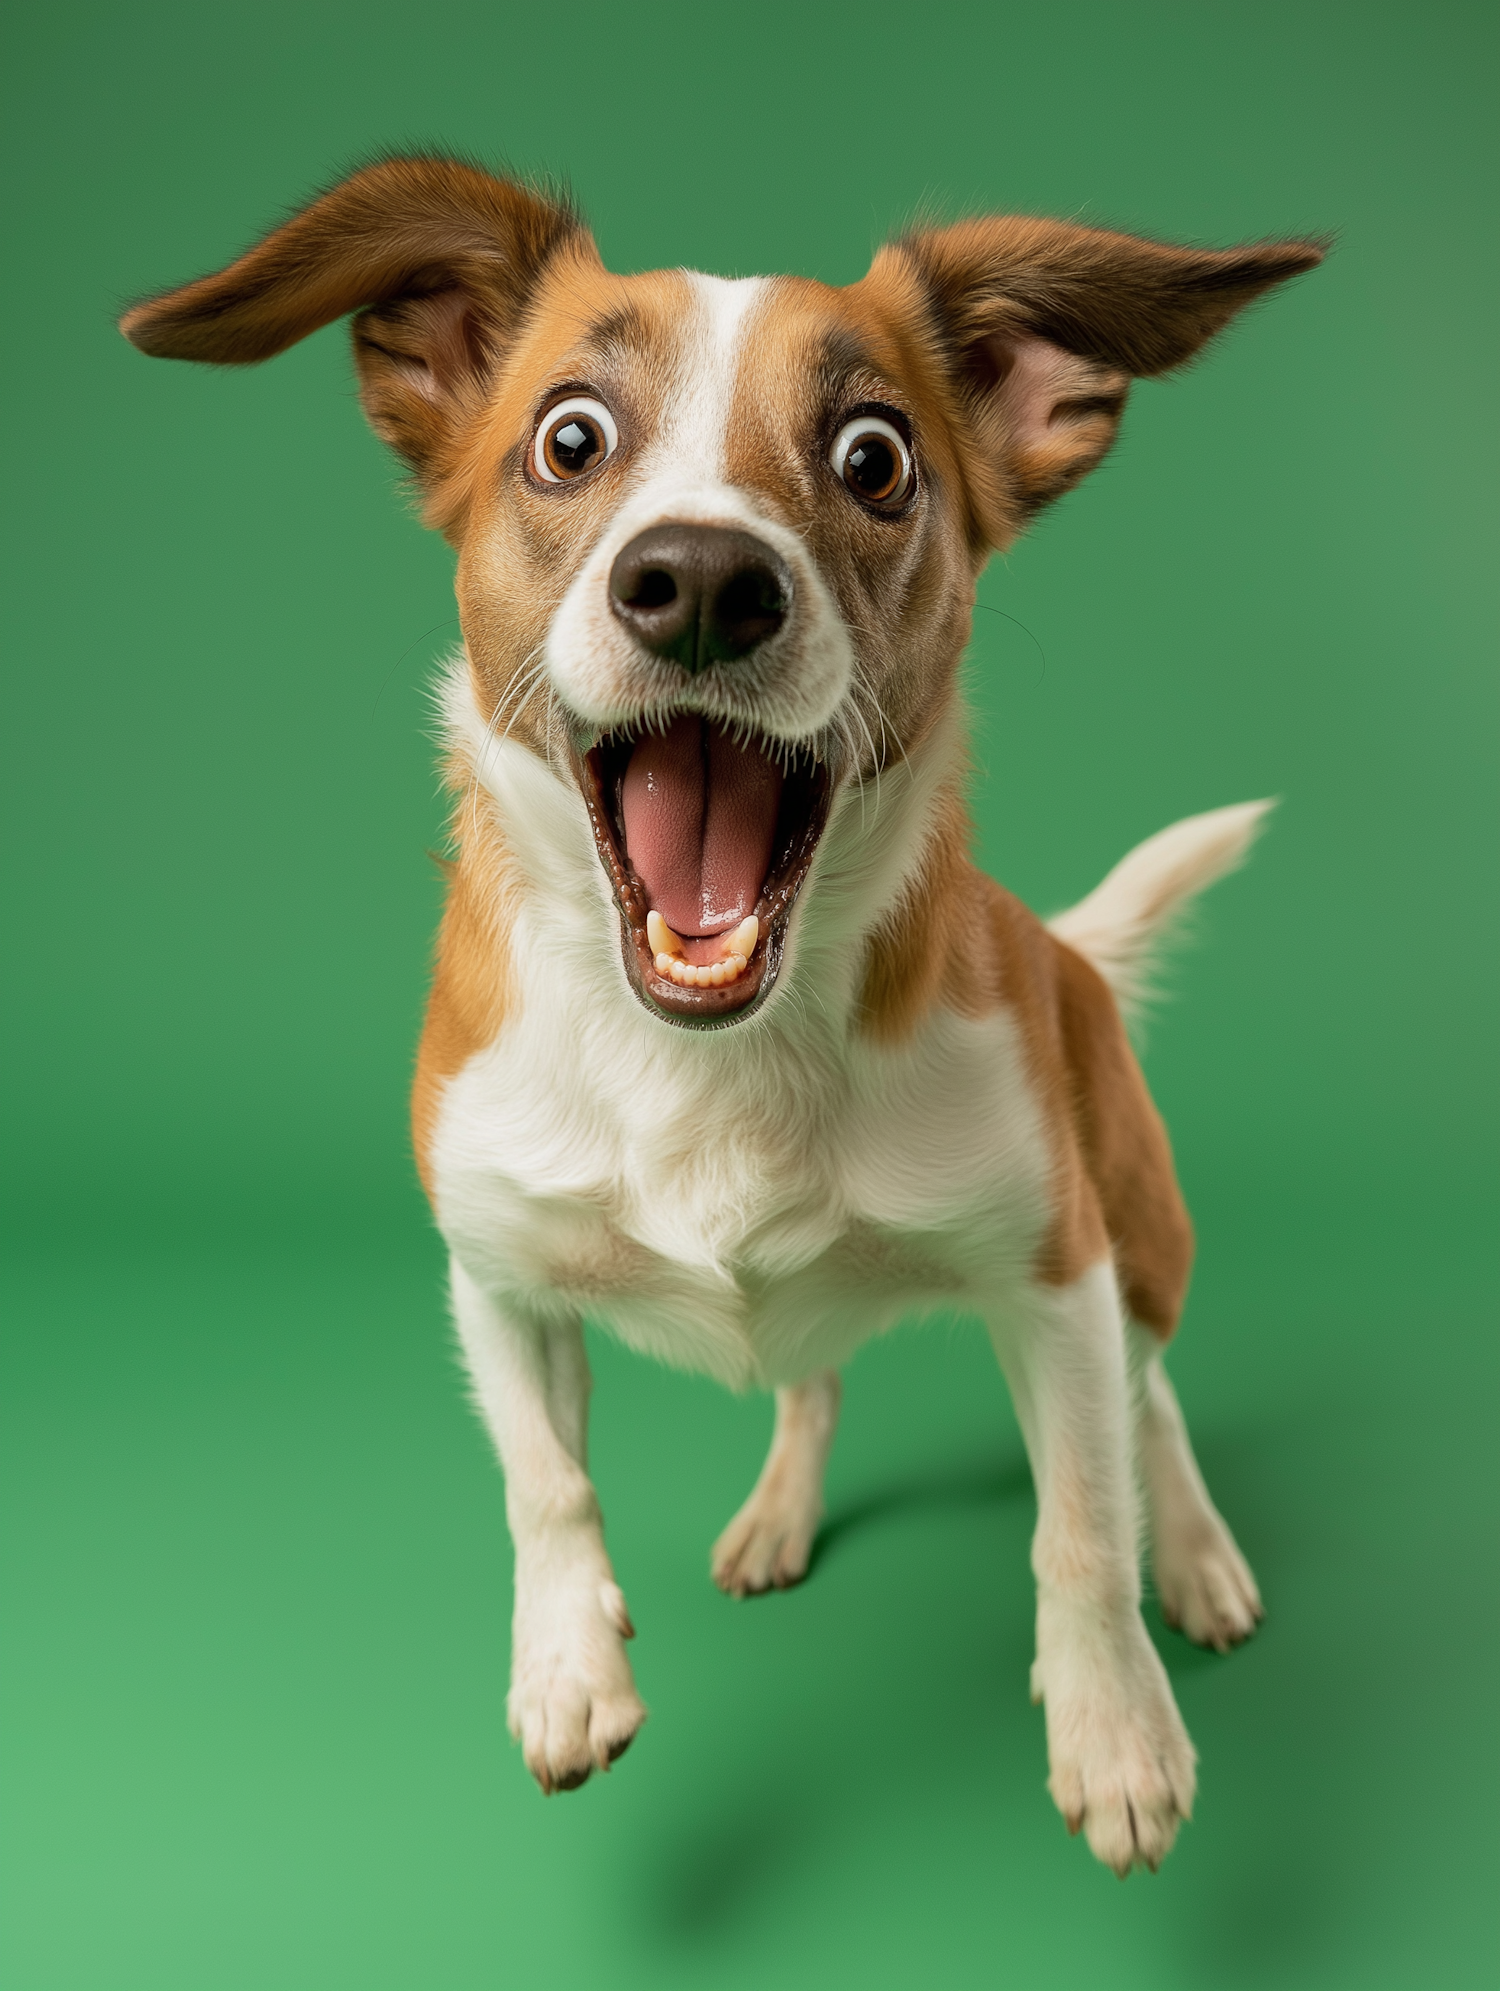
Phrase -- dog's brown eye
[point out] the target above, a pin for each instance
(872, 468)
(575, 436)
(872, 458)
(572, 446)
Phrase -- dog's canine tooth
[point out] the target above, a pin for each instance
(742, 940)
(663, 940)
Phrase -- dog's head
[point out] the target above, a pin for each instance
(717, 540)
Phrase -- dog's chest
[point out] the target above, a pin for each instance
(749, 1210)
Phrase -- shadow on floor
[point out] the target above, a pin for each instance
(984, 1482)
(739, 1847)
(746, 1842)
(730, 1863)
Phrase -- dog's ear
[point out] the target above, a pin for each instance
(1041, 327)
(438, 258)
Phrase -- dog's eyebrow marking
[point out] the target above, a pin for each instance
(840, 357)
(843, 372)
(620, 332)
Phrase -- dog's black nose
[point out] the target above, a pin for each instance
(699, 594)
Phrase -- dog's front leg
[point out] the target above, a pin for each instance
(1121, 1761)
(573, 1705)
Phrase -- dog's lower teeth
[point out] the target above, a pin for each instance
(711, 975)
(666, 946)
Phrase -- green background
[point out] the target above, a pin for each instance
(257, 1584)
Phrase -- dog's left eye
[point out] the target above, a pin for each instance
(872, 458)
(575, 436)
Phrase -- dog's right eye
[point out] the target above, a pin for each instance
(574, 437)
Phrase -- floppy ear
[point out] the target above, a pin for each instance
(1042, 326)
(441, 256)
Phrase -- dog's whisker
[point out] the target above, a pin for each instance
(489, 741)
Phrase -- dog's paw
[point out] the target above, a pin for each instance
(1205, 1588)
(573, 1706)
(1122, 1764)
(768, 1544)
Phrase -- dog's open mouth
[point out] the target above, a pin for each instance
(707, 839)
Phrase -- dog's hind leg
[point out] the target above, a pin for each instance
(768, 1543)
(573, 1705)
(1203, 1583)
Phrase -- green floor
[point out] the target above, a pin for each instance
(260, 1668)
(256, 1582)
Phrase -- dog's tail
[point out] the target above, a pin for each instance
(1124, 922)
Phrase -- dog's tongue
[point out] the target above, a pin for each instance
(700, 820)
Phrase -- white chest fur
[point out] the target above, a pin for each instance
(750, 1211)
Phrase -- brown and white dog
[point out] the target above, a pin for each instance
(730, 1047)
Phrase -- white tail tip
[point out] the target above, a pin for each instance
(1123, 922)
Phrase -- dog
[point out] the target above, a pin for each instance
(730, 1047)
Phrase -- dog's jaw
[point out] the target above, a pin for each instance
(803, 816)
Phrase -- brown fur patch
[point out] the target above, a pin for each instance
(472, 988)
(1125, 1147)
(962, 942)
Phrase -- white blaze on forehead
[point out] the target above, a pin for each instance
(691, 444)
